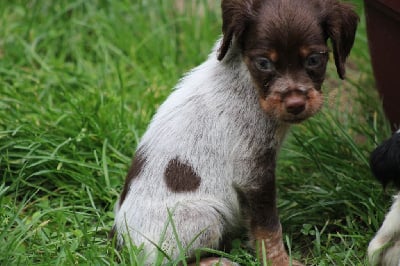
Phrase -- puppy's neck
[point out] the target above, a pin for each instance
(247, 98)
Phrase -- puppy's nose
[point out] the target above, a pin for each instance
(295, 104)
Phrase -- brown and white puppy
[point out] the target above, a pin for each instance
(207, 160)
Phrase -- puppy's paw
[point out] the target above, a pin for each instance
(283, 260)
(385, 246)
(384, 251)
(375, 248)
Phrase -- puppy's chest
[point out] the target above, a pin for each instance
(254, 158)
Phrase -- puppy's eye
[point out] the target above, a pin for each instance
(315, 60)
(263, 64)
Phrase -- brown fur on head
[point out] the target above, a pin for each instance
(284, 45)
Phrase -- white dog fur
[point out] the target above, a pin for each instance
(387, 239)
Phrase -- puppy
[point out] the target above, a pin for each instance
(384, 248)
(205, 168)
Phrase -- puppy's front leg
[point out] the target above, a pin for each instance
(265, 227)
(270, 241)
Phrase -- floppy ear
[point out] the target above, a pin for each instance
(340, 25)
(236, 14)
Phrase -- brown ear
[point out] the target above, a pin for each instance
(236, 14)
(340, 26)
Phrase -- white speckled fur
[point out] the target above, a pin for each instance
(213, 113)
(384, 248)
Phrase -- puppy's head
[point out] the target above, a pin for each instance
(284, 45)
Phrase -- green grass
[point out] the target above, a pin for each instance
(80, 81)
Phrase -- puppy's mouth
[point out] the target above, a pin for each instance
(292, 107)
(294, 120)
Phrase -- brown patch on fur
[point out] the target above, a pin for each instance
(180, 177)
(134, 171)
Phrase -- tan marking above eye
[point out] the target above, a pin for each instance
(272, 55)
(305, 51)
